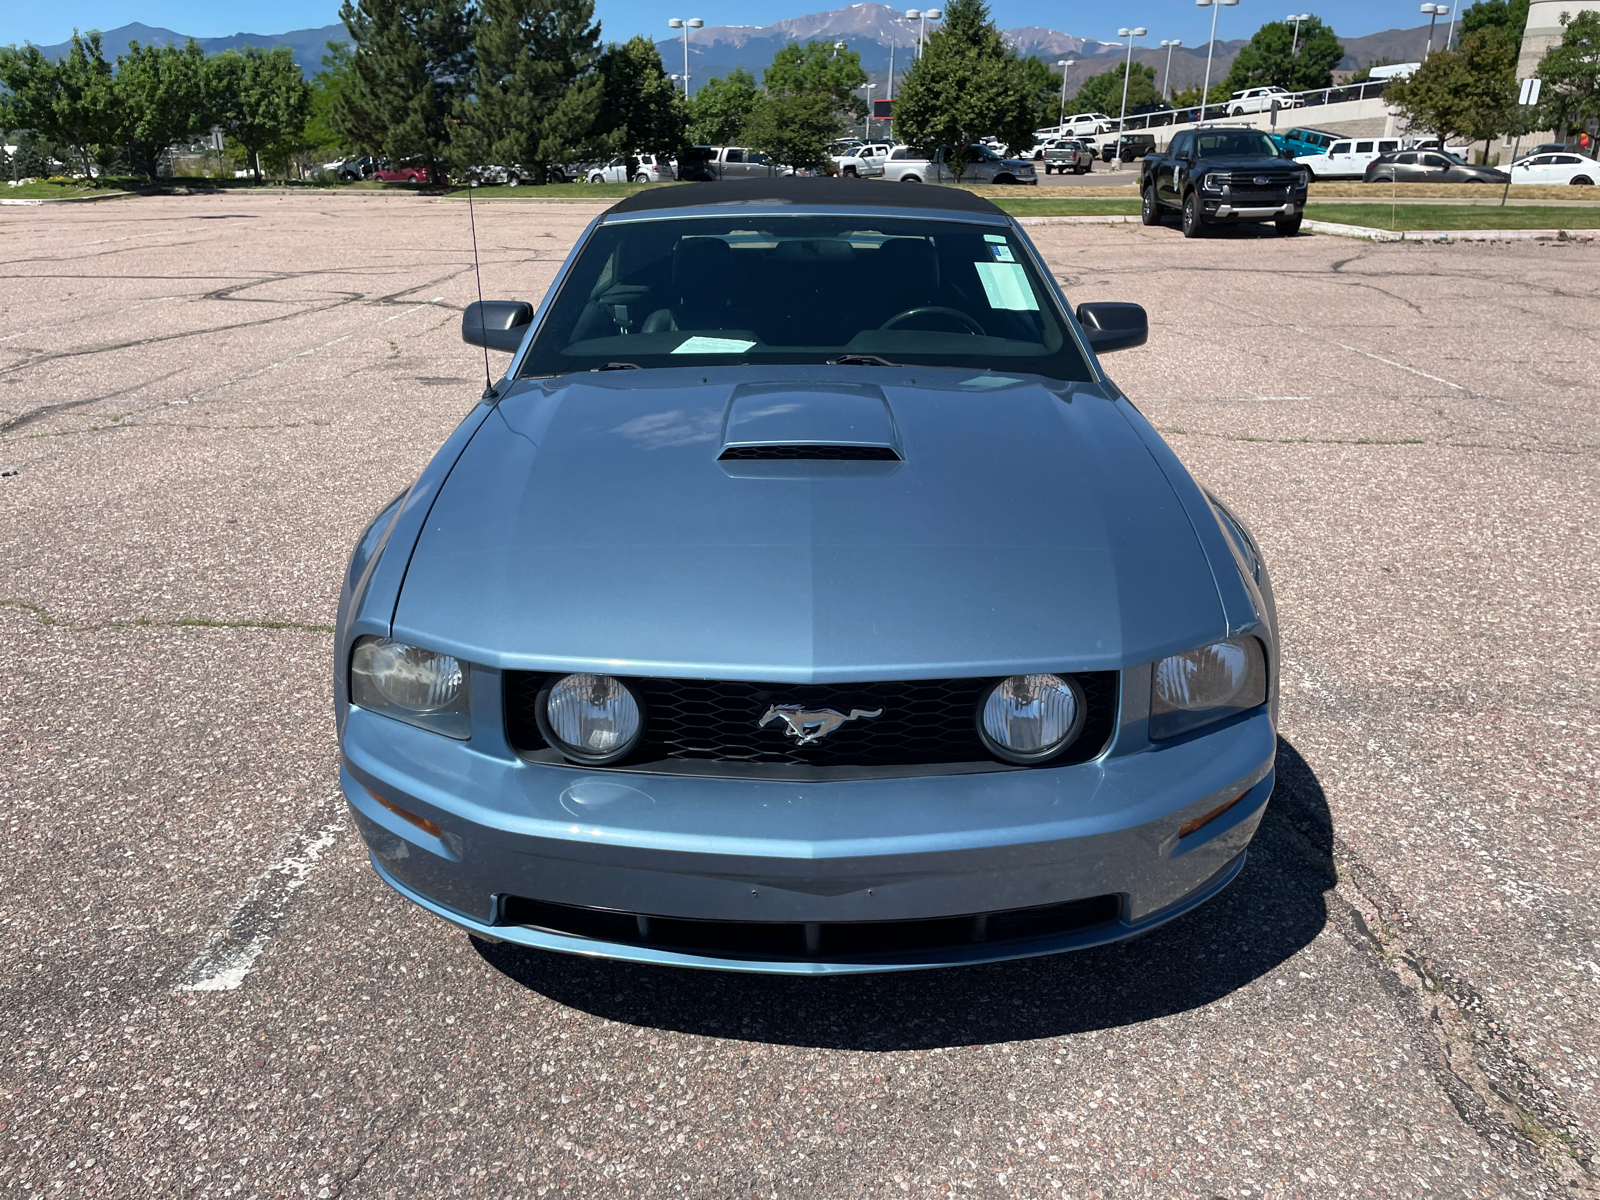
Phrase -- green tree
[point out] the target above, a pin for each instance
(165, 95)
(1272, 58)
(720, 110)
(536, 90)
(327, 86)
(263, 100)
(1468, 93)
(1103, 92)
(1189, 97)
(410, 62)
(1511, 16)
(70, 102)
(796, 128)
(1044, 85)
(818, 68)
(966, 85)
(642, 111)
(1570, 95)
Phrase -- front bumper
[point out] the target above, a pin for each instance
(1224, 210)
(694, 848)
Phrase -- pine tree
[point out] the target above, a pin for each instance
(535, 91)
(967, 85)
(409, 65)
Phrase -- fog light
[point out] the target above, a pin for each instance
(592, 719)
(1031, 718)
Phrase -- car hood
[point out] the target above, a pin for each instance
(595, 522)
(1262, 163)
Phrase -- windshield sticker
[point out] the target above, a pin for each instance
(989, 382)
(1002, 253)
(1006, 285)
(712, 345)
(994, 237)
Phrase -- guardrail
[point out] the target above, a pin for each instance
(1370, 89)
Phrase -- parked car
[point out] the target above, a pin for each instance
(863, 161)
(1222, 175)
(637, 168)
(352, 170)
(410, 171)
(1556, 168)
(990, 674)
(905, 165)
(1302, 142)
(1262, 99)
(1082, 123)
(736, 162)
(1428, 166)
(1347, 158)
(1068, 154)
(1127, 146)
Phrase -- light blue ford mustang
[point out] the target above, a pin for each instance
(805, 598)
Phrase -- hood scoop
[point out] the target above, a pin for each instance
(809, 452)
(809, 423)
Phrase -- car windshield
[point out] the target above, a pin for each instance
(1234, 143)
(1457, 159)
(804, 289)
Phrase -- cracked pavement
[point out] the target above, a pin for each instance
(202, 401)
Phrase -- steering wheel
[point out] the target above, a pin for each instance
(930, 310)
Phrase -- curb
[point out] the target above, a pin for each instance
(1367, 233)
(1110, 219)
(67, 199)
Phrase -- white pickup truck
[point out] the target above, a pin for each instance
(905, 165)
(864, 161)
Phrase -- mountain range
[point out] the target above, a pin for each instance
(870, 29)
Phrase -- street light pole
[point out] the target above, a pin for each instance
(922, 15)
(1127, 70)
(1213, 5)
(680, 23)
(1166, 85)
(1433, 12)
(1452, 30)
(871, 87)
(1295, 48)
(1063, 63)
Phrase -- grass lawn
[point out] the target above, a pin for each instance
(1049, 206)
(1456, 216)
(57, 189)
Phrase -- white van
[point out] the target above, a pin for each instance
(1347, 158)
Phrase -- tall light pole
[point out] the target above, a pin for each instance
(1213, 5)
(871, 87)
(1122, 118)
(1433, 12)
(1296, 20)
(922, 15)
(1450, 33)
(1166, 85)
(680, 23)
(1064, 64)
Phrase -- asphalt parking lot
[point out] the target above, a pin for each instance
(203, 399)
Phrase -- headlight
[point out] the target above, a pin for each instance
(591, 719)
(1206, 685)
(1031, 718)
(1213, 180)
(1302, 178)
(412, 685)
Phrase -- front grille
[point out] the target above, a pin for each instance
(715, 723)
(809, 452)
(1276, 189)
(784, 940)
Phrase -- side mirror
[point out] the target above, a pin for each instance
(1112, 325)
(497, 324)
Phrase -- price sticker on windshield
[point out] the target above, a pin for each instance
(1001, 252)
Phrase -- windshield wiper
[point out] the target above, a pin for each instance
(618, 366)
(860, 360)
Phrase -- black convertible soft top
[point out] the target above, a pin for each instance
(849, 193)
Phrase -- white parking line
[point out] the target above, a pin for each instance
(1389, 362)
(231, 951)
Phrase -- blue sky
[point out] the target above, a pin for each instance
(50, 23)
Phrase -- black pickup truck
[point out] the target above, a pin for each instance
(1221, 175)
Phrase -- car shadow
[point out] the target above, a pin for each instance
(1274, 908)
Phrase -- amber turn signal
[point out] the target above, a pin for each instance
(426, 825)
(1184, 830)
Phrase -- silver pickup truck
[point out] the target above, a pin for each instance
(1068, 154)
(905, 165)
